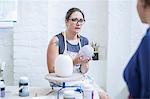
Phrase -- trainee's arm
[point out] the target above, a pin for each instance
(52, 52)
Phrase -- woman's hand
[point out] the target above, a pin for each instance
(84, 68)
(83, 62)
(78, 60)
(103, 95)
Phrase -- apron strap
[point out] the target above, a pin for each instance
(65, 41)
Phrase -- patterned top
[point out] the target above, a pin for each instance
(70, 47)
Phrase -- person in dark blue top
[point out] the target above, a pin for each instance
(137, 71)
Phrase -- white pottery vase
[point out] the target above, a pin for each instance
(63, 65)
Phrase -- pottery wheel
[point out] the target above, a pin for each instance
(52, 77)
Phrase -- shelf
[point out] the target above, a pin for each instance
(6, 24)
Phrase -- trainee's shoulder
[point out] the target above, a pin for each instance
(56, 37)
(84, 40)
(54, 40)
(60, 36)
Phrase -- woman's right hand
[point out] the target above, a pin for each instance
(103, 95)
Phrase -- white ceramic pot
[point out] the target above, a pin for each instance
(63, 65)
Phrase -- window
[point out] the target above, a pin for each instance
(8, 10)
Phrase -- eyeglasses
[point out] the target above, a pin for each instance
(75, 20)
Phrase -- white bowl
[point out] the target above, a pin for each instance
(87, 51)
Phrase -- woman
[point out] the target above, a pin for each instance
(137, 72)
(70, 42)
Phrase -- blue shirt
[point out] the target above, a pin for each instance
(73, 48)
(137, 71)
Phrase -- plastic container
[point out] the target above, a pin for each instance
(69, 94)
(2, 89)
(23, 87)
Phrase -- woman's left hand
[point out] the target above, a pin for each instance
(78, 60)
(84, 59)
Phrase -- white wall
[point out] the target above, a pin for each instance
(95, 28)
(118, 44)
(8, 10)
(6, 53)
(30, 41)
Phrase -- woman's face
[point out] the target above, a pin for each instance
(141, 10)
(75, 22)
